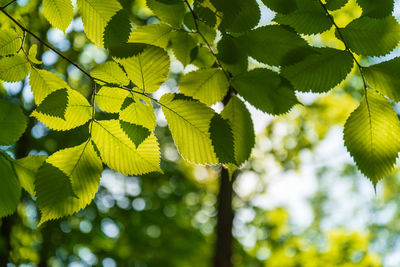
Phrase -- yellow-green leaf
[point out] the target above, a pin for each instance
(58, 12)
(120, 153)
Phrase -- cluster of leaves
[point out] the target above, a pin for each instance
(67, 181)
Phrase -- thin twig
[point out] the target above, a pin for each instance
(44, 43)
(347, 48)
(196, 25)
(11, 2)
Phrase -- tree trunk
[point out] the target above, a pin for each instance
(6, 226)
(224, 242)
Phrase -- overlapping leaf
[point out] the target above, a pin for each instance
(238, 16)
(385, 78)
(27, 169)
(120, 153)
(58, 12)
(266, 90)
(138, 112)
(372, 37)
(242, 128)
(12, 122)
(95, 16)
(68, 181)
(109, 72)
(77, 113)
(43, 83)
(275, 45)
(182, 45)
(309, 18)
(376, 9)
(154, 34)
(335, 4)
(372, 136)
(149, 69)
(10, 42)
(110, 99)
(319, 72)
(171, 11)
(207, 85)
(280, 6)
(190, 125)
(14, 68)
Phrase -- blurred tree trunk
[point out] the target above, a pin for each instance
(6, 227)
(224, 242)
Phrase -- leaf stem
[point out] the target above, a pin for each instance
(196, 25)
(347, 48)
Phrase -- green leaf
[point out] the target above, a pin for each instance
(32, 54)
(309, 18)
(265, 90)
(118, 29)
(12, 122)
(127, 159)
(110, 72)
(232, 55)
(202, 58)
(238, 16)
(319, 72)
(148, 70)
(335, 4)
(95, 16)
(242, 128)
(153, 34)
(135, 132)
(10, 42)
(376, 9)
(68, 181)
(222, 139)
(207, 85)
(10, 190)
(55, 104)
(285, 46)
(205, 15)
(43, 83)
(26, 170)
(372, 37)
(169, 11)
(189, 122)
(372, 136)
(280, 6)
(182, 44)
(78, 112)
(59, 13)
(385, 78)
(14, 68)
(110, 99)
(139, 112)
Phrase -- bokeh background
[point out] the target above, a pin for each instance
(299, 201)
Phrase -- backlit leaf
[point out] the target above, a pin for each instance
(207, 85)
(148, 70)
(58, 12)
(68, 181)
(12, 122)
(14, 68)
(120, 153)
(372, 136)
